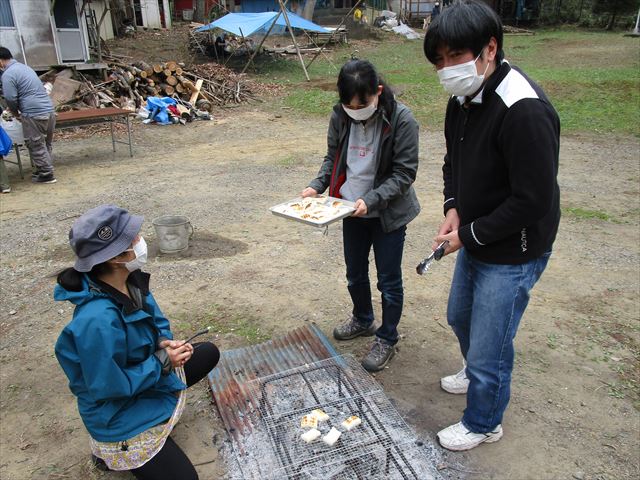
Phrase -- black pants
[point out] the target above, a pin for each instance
(171, 463)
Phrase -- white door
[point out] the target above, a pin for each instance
(69, 33)
(151, 13)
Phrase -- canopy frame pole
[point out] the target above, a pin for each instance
(295, 43)
(320, 51)
(233, 53)
(260, 46)
(334, 32)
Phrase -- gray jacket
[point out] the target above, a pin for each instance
(396, 166)
(24, 92)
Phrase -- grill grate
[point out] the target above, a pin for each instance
(382, 447)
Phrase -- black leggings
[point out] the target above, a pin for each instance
(171, 463)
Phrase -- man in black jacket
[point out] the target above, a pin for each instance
(501, 205)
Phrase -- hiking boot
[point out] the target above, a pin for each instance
(44, 178)
(352, 329)
(379, 355)
(458, 437)
(456, 384)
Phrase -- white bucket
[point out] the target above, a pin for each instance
(14, 130)
(173, 232)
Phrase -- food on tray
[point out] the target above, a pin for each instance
(314, 209)
(320, 415)
(310, 436)
(351, 422)
(332, 437)
(309, 421)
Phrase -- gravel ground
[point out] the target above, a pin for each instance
(253, 275)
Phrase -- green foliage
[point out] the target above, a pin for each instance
(589, 13)
(615, 6)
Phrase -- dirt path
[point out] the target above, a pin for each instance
(253, 275)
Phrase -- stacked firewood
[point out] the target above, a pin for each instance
(129, 85)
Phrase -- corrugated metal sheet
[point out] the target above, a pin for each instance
(237, 367)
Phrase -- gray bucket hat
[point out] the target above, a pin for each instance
(101, 234)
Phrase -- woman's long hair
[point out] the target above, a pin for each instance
(360, 78)
(70, 279)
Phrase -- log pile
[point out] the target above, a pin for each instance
(129, 85)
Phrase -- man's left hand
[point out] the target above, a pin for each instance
(454, 241)
(361, 208)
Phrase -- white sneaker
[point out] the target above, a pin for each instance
(458, 383)
(457, 437)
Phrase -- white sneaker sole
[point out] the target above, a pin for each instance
(460, 448)
(454, 390)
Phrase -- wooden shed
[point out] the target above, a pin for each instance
(42, 33)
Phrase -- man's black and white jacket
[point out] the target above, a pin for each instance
(500, 170)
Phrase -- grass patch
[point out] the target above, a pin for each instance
(289, 161)
(311, 101)
(585, 214)
(592, 78)
(222, 321)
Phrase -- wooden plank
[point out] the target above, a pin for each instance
(90, 113)
(196, 92)
(64, 89)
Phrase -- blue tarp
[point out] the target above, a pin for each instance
(245, 24)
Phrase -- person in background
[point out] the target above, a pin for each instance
(28, 101)
(372, 160)
(125, 368)
(435, 11)
(5, 148)
(357, 16)
(501, 206)
(5, 187)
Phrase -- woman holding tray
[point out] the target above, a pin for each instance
(127, 372)
(372, 160)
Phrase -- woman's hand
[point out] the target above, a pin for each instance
(309, 192)
(178, 351)
(361, 208)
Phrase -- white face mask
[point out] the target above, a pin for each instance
(463, 79)
(361, 114)
(140, 249)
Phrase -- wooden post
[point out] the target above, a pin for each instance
(295, 43)
(259, 46)
(196, 92)
(334, 32)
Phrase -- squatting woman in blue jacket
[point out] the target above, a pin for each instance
(128, 373)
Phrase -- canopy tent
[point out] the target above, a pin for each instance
(246, 24)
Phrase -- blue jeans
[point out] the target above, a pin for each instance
(359, 235)
(486, 303)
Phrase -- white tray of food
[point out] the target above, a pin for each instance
(318, 211)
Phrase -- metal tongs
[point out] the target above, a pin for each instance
(437, 254)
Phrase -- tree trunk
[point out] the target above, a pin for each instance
(612, 21)
(309, 8)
